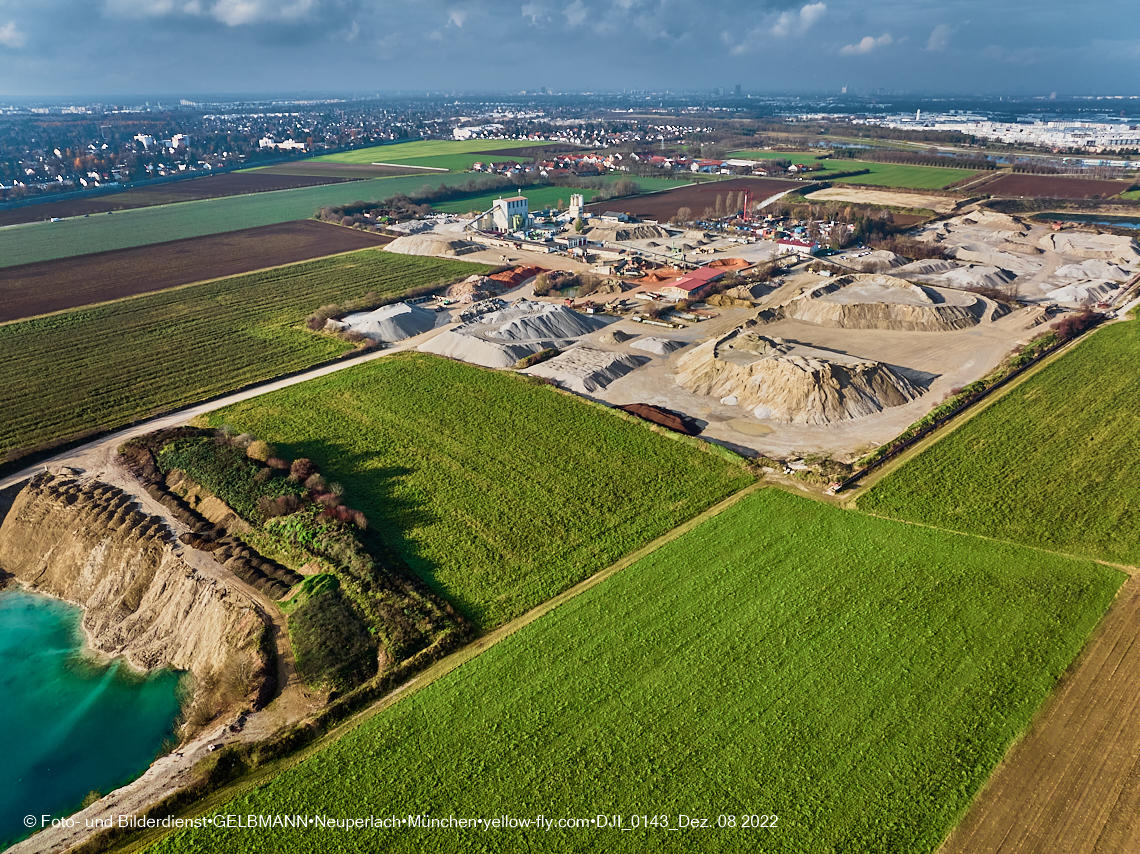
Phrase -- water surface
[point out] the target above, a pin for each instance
(72, 724)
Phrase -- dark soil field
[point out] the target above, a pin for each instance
(192, 189)
(663, 206)
(1073, 783)
(336, 171)
(33, 289)
(1053, 187)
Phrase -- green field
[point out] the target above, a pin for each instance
(1134, 195)
(1048, 465)
(456, 155)
(106, 366)
(899, 175)
(44, 241)
(855, 677)
(544, 197)
(880, 175)
(497, 491)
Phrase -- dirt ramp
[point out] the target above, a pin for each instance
(791, 383)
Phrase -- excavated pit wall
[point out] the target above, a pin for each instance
(89, 543)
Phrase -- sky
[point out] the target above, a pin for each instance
(102, 48)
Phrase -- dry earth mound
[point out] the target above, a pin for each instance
(874, 301)
(1093, 268)
(676, 421)
(1105, 247)
(657, 346)
(434, 247)
(615, 336)
(1082, 293)
(877, 261)
(626, 232)
(790, 383)
(586, 370)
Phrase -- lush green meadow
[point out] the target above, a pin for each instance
(44, 241)
(105, 366)
(880, 175)
(901, 175)
(456, 155)
(1049, 465)
(498, 491)
(1133, 195)
(855, 677)
(545, 197)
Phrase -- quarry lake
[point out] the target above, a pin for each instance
(72, 724)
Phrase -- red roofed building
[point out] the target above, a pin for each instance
(692, 285)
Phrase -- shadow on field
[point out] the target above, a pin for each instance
(373, 489)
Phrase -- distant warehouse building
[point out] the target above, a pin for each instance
(692, 285)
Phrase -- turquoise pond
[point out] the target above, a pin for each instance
(71, 723)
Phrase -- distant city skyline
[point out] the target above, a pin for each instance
(62, 48)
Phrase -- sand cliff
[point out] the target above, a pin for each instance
(88, 543)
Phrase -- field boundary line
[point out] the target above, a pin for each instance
(429, 675)
(1131, 571)
(1056, 697)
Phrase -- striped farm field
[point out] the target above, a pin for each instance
(47, 241)
(799, 677)
(102, 367)
(497, 491)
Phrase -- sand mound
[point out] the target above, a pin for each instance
(975, 276)
(927, 267)
(874, 301)
(626, 232)
(436, 247)
(614, 336)
(500, 338)
(657, 346)
(391, 322)
(1093, 268)
(791, 383)
(1106, 247)
(878, 261)
(747, 292)
(586, 370)
(1082, 293)
(988, 256)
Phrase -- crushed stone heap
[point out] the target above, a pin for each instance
(790, 383)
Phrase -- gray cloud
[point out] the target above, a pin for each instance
(202, 46)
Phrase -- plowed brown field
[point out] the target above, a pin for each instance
(1072, 785)
(663, 206)
(210, 187)
(33, 289)
(1053, 187)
